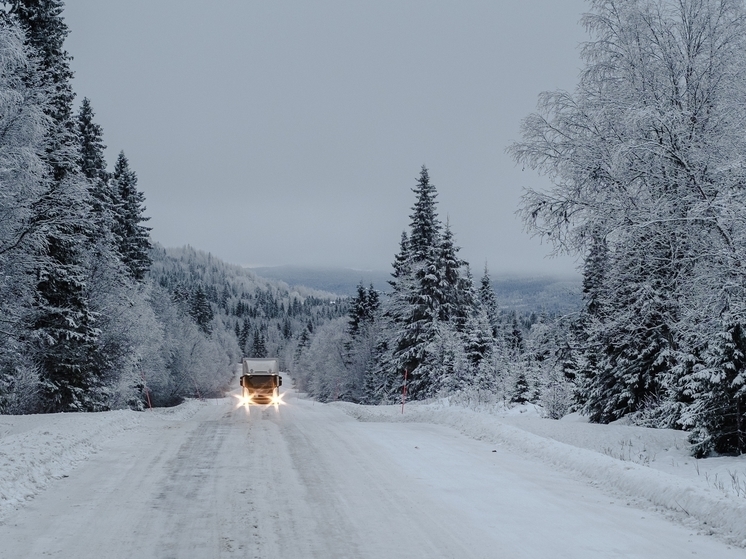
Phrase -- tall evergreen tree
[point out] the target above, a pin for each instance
(258, 345)
(92, 161)
(429, 292)
(425, 227)
(358, 310)
(64, 325)
(455, 290)
(417, 296)
(363, 308)
(93, 166)
(489, 301)
(243, 336)
(201, 311)
(478, 337)
(373, 303)
(133, 237)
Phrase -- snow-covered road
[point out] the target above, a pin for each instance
(308, 480)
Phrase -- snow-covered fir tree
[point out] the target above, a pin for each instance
(489, 301)
(92, 164)
(133, 237)
(430, 289)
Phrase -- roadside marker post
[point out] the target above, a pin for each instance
(404, 391)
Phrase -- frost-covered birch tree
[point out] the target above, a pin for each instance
(647, 157)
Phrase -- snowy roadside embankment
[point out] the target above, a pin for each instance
(705, 508)
(184, 411)
(35, 449)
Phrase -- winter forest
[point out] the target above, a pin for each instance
(93, 316)
(645, 159)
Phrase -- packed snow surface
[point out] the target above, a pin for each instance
(208, 479)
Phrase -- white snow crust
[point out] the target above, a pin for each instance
(35, 449)
(648, 466)
(182, 477)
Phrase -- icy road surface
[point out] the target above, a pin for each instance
(307, 480)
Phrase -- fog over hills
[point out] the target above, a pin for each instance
(554, 294)
(525, 293)
(342, 281)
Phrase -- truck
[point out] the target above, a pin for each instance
(261, 380)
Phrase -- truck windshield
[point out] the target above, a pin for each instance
(262, 381)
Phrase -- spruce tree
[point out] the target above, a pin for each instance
(515, 337)
(424, 237)
(93, 166)
(631, 347)
(455, 290)
(521, 389)
(418, 294)
(430, 296)
(258, 345)
(133, 237)
(489, 301)
(304, 340)
(363, 308)
(90, 134)
(243, 337)
(373, 303)
(64, 325)
(201, 311)
(478, 337)
(358, 310)
(717, 389)
(589, 330)
(594, 274)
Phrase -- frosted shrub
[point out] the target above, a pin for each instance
(556, 399)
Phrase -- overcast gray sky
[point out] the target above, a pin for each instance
(291, 132)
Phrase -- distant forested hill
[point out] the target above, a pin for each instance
(558, 295)
(265, 315)
(340, 281)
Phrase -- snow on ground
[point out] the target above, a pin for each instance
(35, 449)
(649, 466)
(143, 471)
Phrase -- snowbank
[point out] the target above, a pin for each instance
(35, 449)
(696, 502)
(183, 411)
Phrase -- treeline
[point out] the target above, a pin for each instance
(74, 250)
(211, 315)
(436, 331)
(646, 158)
(92, 317)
